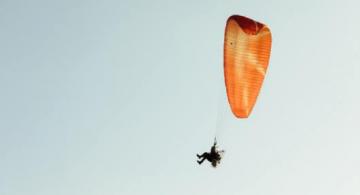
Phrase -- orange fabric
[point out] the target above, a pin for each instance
(247, 48)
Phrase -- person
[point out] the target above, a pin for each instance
(213, 157)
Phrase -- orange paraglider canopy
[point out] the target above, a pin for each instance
(247, 48)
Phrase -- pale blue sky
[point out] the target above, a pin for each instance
(116, 97)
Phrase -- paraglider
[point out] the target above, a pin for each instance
(247, 46)
(213, 157)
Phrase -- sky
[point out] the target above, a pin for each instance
(117, 97)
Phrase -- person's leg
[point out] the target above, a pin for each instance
(201, 156)
(201, 161)
(205, 156)
(208, 157)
